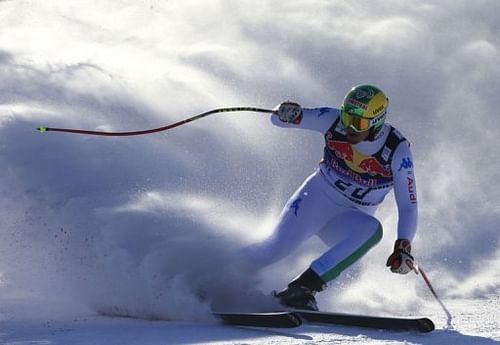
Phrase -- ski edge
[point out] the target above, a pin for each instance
(282, 319)
(423, 324)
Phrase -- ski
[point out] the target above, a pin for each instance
(271, 320)
(390, 323)
(289, 319)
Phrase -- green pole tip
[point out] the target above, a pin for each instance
(42, 129)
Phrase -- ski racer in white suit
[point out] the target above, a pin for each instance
(364, 158)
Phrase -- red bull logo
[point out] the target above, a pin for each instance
(342, 150)
(373, 167)
(356, 161)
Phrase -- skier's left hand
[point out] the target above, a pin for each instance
(401, 260)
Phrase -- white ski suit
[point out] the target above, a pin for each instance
(338, 201)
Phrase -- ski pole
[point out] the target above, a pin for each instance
(418, 270)
(154, 130)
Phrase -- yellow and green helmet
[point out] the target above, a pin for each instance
(364, 107)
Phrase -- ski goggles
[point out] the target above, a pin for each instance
(357, 122)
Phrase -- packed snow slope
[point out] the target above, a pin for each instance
(148, 225)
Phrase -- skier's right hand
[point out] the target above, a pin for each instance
(401, 260)
(289, 112)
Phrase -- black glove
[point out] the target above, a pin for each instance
(289, 112)
(401, 260)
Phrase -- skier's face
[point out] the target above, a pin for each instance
(354, 137)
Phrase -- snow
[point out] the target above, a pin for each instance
(149, 224)
(123, 331)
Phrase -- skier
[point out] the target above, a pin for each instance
(364, 158)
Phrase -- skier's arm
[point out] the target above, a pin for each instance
(316, 119)
(405, 191)
(401, 260)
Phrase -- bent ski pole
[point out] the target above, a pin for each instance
(418, 270)
(154, 130)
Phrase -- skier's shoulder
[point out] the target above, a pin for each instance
(399, 145)
(394, 136)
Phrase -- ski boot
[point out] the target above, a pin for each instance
(300, 292)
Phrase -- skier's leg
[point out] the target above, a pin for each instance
(350, 235)
(307, 212)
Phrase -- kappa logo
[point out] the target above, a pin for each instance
(296, 205)
(406, 163)
(323, 111)
(364, 94)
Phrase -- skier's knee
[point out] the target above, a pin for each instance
(379, 232)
